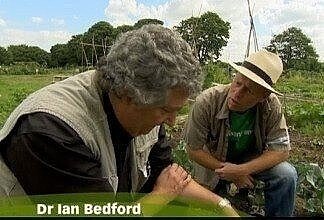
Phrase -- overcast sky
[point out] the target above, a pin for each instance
(45, 23)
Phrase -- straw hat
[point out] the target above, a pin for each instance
(262, 67)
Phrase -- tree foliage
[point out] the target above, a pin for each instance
(5, 57)
(95, 39)
(123, 28)
(145, 21)
(295, 50)
(207, 35)
(101, 34)
(59, 55)
(24, 53)
(74, 50)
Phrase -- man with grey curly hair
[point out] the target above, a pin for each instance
(147, 67)
(103, 130)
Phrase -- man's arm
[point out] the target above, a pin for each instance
(195, 191)
(239, 173)
(175, 181)
(265, 161)
(203, 158)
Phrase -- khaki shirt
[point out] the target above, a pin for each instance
(207, 128)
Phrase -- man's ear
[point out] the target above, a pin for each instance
(126, 100)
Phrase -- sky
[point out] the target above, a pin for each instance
(45, 23)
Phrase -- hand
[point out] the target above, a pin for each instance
(172, 180)
(245, 181)
(230, 171)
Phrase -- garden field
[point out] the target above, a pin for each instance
(303, 105)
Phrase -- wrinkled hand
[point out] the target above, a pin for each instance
(172, 180)
(229, 172)
(245, 181)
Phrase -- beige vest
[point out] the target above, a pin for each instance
(78, 102)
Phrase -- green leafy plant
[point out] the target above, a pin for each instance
(214, 74)
(180, 156)
(311, 187)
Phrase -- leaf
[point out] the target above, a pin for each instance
(322, 173)
(310, 205)
(310, 179)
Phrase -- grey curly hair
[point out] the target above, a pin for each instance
(145, 63)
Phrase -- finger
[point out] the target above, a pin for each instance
(188, 176)
(240, 185)
(185, 182)
(250, 178)
(220, 170)
(174, 166)
(182, 173)
(180, 169)
(249, 184)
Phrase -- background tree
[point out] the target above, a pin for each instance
(145, 21)
(123, 28)
(74, 50)
(59, 55)
(24, 53)
(101, 33)
(207, 34)
(5, 58)
(295, 50)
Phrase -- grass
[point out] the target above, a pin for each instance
(302, 85)
(306, 111)
(14, 88)
(305, 116)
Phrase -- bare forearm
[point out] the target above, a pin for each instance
(199, 193)
(153, 202)
(265, 161)
(194, 190)
(205, 159)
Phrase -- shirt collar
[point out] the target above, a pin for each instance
(113, 122)
(224, 112)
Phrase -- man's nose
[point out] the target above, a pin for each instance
(238, 93)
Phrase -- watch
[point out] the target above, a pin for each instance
(224, 203)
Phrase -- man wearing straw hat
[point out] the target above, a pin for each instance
(237, 133)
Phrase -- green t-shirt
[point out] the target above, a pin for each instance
(241, 137)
